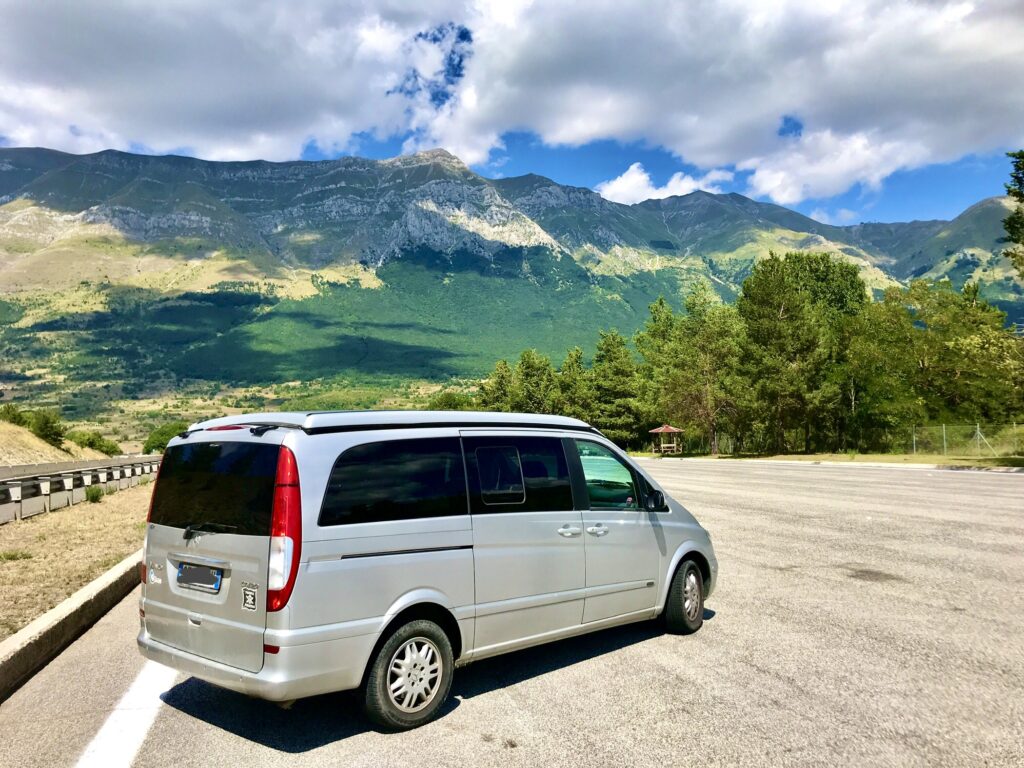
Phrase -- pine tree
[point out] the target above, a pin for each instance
(496, 389)
(702, 384)
(1014, 223)
(575, 390)
(616, 410)
(534, 386)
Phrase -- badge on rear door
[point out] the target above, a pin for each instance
(249, 596)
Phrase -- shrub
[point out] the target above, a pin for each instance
(46, 425)
(159, 437)
(93, 494)
(96, 441)
(11, 413)
(450, 400)
(14, 554)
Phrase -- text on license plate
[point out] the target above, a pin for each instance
(200, 577)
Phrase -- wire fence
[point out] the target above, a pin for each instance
(956, 440)
(968, 440)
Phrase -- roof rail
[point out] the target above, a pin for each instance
(323, 422)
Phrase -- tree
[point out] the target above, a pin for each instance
(794, 308)
(1014, 223)
(967, 365)
(653, 342)
(616, 410)
(46, 425)
(575, 389)
(533, 383)
(161, 436)
(701, 382)
(876, 377)
(496, 389)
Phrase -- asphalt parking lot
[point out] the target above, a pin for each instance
(863, 617)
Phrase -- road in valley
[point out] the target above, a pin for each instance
(864, 616)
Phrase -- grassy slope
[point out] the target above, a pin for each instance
(19, 446)
(430, 319)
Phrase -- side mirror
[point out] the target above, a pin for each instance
(655, 501)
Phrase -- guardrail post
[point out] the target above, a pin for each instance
(10, 502)
(113, 479)
(78, 486)
(57, 498)
(34, 497)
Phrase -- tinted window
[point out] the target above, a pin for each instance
(610, 483)
(518, 474)
(396, 480)
(227, 487)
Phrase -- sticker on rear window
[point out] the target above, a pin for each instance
(249, 597)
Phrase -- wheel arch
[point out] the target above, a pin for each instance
(427, 610)
(687, 551)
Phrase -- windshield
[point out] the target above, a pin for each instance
(217, 487)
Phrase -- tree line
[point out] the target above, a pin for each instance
(803, 361)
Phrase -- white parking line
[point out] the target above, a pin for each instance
(118, 741)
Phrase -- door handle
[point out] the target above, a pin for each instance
(597, 530)
(569, 531)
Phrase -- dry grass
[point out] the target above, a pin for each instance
(908, 458)
(19, 446)
(46, 558)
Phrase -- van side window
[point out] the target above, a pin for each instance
(396, 480)
(610, 483)
(501, 475)
(517, 474)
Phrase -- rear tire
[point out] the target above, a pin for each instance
(684, 608)
(410, 678)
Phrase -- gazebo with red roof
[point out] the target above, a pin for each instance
(662, 446)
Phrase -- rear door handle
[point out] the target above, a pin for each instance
(569, 531)
(597, 530)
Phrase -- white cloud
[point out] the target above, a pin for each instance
(841, 217)
(878, 85)
(822, 164)
(635, 185)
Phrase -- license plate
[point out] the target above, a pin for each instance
(199, 577)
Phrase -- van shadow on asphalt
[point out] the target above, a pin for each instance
(322, 720)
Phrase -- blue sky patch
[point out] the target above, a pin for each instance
(790, 126)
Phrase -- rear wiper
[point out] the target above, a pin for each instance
(262, 429)
(196, 528)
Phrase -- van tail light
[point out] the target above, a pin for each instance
(152, 496)
(142, 572)
(285, 532)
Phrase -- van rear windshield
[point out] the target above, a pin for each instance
(217, 487)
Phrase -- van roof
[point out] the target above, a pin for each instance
(318, 422)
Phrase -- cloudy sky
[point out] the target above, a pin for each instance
(859, 110)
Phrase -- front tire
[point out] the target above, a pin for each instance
(684, 609)
(411, 676)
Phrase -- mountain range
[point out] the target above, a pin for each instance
(416, 265)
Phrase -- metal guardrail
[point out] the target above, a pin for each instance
(31, 489)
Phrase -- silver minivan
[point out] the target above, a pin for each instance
(293, 554)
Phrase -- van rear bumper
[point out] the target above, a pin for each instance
(294, 672)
